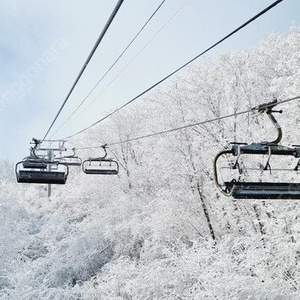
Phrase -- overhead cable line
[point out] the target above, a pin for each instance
(180, 68)
(110, 68)
(188, 126)
(130, 62)
(108, 23)
(145, 46)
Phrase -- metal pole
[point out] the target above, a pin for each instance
(48, 192)
(50, 153)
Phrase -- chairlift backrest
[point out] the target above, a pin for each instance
(34, 164)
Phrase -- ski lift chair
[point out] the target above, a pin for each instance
(100, 165)
(258, 189)
(53, 173)
(71, 160)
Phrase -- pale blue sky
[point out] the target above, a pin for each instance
(43, 45)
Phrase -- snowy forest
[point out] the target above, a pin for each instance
(161, 229)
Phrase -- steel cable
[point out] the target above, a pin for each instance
(180, 68)
(102, 34)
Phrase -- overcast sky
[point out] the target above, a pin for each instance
(43, 45)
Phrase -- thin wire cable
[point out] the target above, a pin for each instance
(110, 68)
(180, 68)
(130, 62)
(188, 126)
(108, 23)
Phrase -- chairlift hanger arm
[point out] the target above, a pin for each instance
(266, 106)
(71, 155)
(36, 143)
(268, 109)
(101, 157)
(216, 179)
(276, 125)
(272, 147)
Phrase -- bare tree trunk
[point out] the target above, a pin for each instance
(260, 223)
(206, 213)
(190, 160)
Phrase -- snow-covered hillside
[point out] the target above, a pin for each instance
(161, 229)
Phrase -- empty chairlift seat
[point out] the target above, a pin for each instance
(100, 167)
(71, 160)
(53, 173)
(241, 185)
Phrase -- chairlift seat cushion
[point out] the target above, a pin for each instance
(46, 177)
(265, 190)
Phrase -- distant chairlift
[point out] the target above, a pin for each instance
(243, 189)
(71, 160)
(100, 165)
(35, 169)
